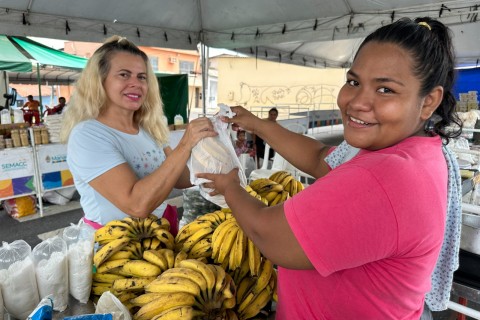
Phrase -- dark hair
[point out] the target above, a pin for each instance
(273, 109)
(30, 96)
(430, 45)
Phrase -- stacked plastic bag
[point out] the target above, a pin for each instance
(54, 124)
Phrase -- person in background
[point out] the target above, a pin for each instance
(240, 145)
(58, 108)
(117, 141)
(259, 144)
(362, 241)
(31, 110)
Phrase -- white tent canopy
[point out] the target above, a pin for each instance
(315, 33)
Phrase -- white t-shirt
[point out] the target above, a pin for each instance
(93, 149)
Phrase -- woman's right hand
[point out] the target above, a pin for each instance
(244, 118)
(197, 130)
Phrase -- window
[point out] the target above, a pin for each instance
(186, 67)
(154, 62)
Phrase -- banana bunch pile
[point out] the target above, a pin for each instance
(231, 247)
(269, 190)
(254, 292)
(191, 290)
(132, 253)
(195, 238)
(288, 182)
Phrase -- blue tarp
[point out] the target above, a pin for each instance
(467, 80)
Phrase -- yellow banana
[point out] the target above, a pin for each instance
(180, 256)
(132, 284)
(146, 226)
(286, 180)
(204, 270)
(109, 265)
(263, 280)
(180, 313)
(143, 299)
(99, 289)
(256, 304)
(300, 186)
(213, 217)
(191, 274)
(169, 256)
(106, 277)
(293, 188)
(254, 258)
(227, 243)
(157, 258)
(171, 284)
(163, 302)
(202, 248)
(241, 246)
(122, 254)
(146, 243)
(276, 200)
(271, 195)
(154, 243)
(108, 250)
(279, 176)
(110, 233)
(219, 234)
(141, 268)
(126, 296)
(134, 223)
(121, 223)
(187, 230)
(232, 256)
(229, 303)
(161, 223)
(244, 287)
(165, 238)
(197, 236)
(285, 196)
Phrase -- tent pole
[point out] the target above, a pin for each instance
(39, 91)
(204, 51)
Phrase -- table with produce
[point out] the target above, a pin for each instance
(137, 269)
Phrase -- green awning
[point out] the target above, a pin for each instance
(11, 59)
(48, 56)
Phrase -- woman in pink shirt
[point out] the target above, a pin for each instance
(363, 240)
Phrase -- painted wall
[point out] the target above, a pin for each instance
(252, 83)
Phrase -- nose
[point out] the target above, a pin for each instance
(134, 82)
(361, 99)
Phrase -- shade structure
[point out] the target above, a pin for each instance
(11, 59)
(47, 56)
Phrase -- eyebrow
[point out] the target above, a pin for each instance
(380, 80)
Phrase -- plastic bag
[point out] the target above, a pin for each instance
(194, 205)
(44, 310)
(60, 197)
(1, 303)
(21, 206)
(79, 239)
(17, 279)
(51, 269)
(108, 303)
(105, 316)
(215, 155)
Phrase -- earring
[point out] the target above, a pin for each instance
(431, 122)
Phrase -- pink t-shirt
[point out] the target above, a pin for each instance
(372, 228)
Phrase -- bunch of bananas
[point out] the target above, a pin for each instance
(132, 253)
(231, 247)
(254, 193)
(269, 190)
(288, 182)
(195, 238)
(191, 290)
(254, 293)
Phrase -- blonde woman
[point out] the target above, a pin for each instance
(118, 148)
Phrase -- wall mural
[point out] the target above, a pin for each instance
(301, 95)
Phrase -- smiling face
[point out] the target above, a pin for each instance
(126, 82)
(380, 100)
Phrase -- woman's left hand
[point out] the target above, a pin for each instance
(220, 182)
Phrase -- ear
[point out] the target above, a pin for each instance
(431, 102)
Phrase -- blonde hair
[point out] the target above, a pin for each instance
(90, 98)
